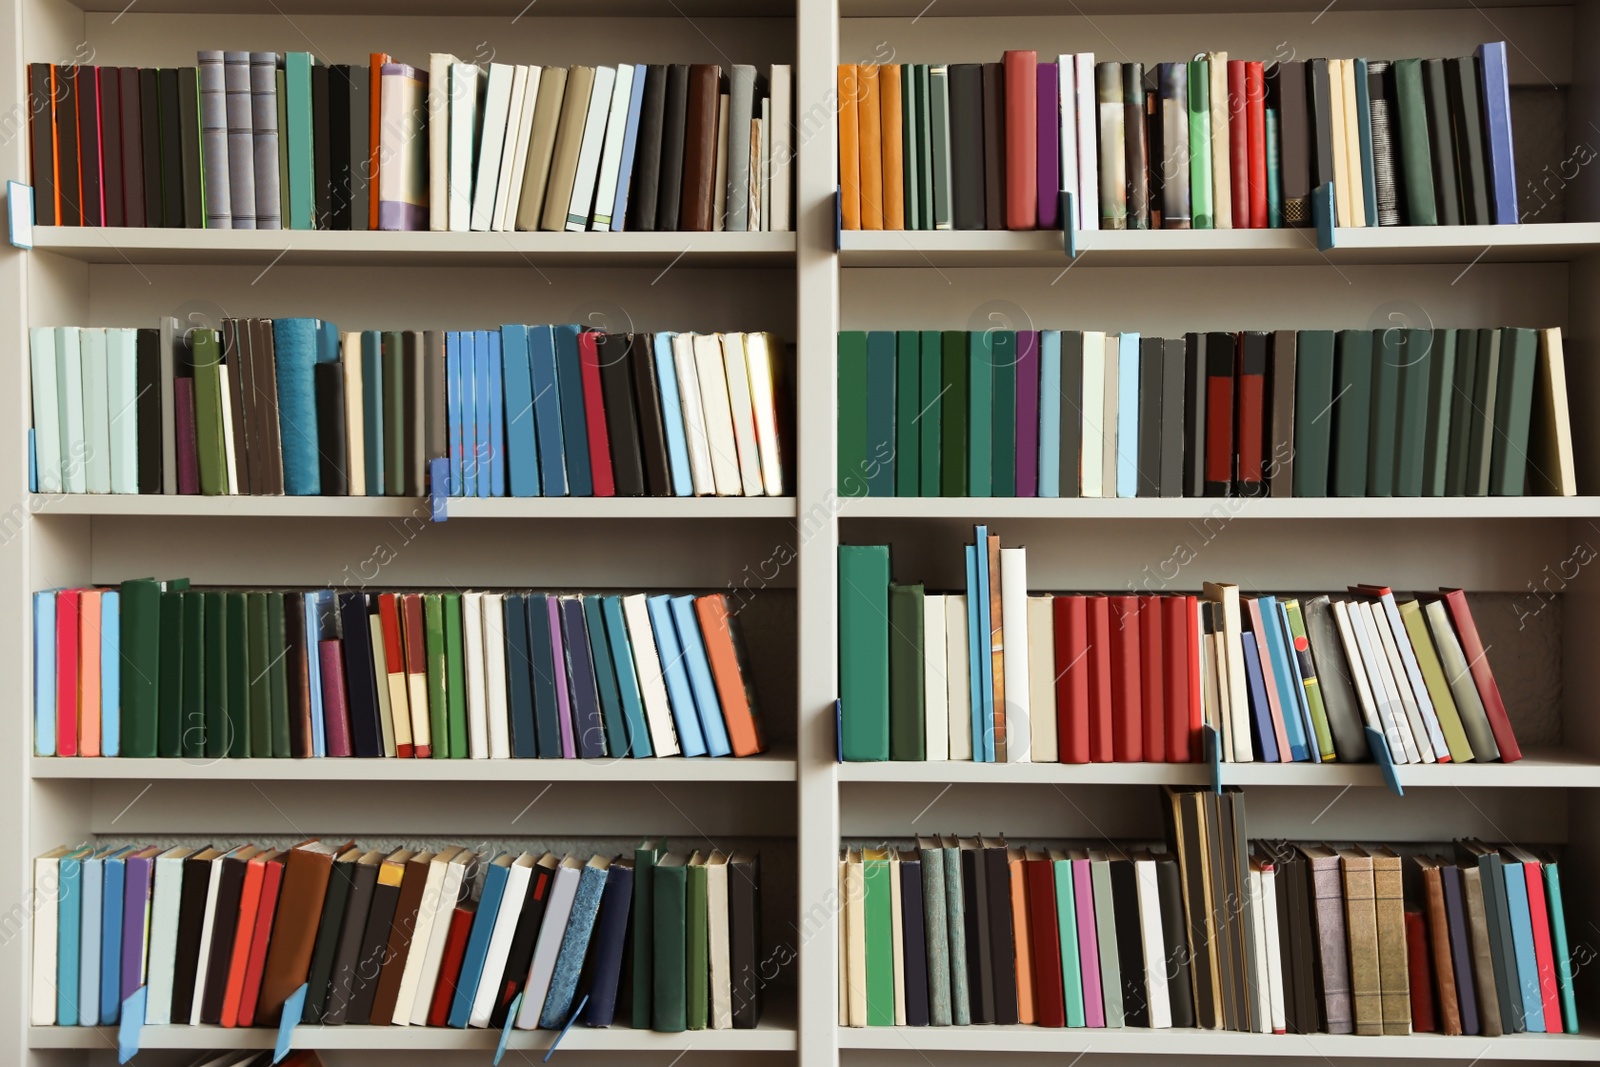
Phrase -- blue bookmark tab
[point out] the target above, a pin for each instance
(132, 1023)
(33, 463)
(19, 209)
(439, 487)
(838, 219)
(1211, 743)
(505, 1031)
(1322, 212)
(557, 1042)
(838, 730)
(1385, 761)
(1069, 224)
(293, 1008)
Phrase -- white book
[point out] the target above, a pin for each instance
(1014, 654)
(781, 155)
(1044, 747)
(694, 419)
(1268, 905)
(475, 678)
(1260, 988)
(46, 408)
(230, 450)
(1109, 414)
(455, 867)
(758, 355)
(719, 196)
(1092, 459)
(380, 670)
(208, 927)
(96, 412)
(605, 197)
(1235, 703)
(935, 687)
(46, 931)
(1067, 113)
(354, 412)
(506, 208)
(122, 396)
(464, 119)
(647, 666)
(164, 899)
(1408, 718)
(1088, 147)
(491, 144)
(494, 674)
(594, 131)
(717, 941)
(505, 924)
(1413, 673)
(421, 934)
(897, 926)
(1367, 660)
(1358, 670)
(737, 369)
(69, 381)
(439, 64)
(763, 201)
(508, 150)
(957, 668)
(1159, 1002)
(717, 411)
(548, 945)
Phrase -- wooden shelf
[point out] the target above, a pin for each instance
(981, 509)
(382, 507)
(402, 772)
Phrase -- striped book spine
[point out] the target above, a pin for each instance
(241, 139)
(1381, 107)
(264, 131)
(214, 142)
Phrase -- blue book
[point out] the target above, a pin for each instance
(974, 669)
(1293, 728)
(574, 423)
(44, 673)
(610, 939)
(92, 881)
(471, 446)
(605, 677)
(294, 351)
(483, 398)
(1297, 684)
(1128, 415)
(627, 679)
(547, 410)
(110, 673)
(985, 635)
(589, 725)
(497, 409)
(1255, 687)
(700, 682)
(111, 936)
(1050, 413)
(676, 677)
(1522, 940)
(672, 417)
(630, 143)
(1561, 951)
(69, 914)
(574, 946)
(372, 409)
(452, 393)
(1369, 184)
(1496, 83)
(519, 677)
(880, 413)
(522, 448)
(494, 886)
(313, 613)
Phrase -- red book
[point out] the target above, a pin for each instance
(455, 947)
(1238, 146)
(1219, 414)
(271, 882)
(1176, 652)
(416, 673)
(1455, 602)
(1049, 1005)
(1101, 749)
(1196, 707)
(67, 672)
(1127, 701)
(395, 659)
(1543, 953)
(1071, 616)
(1420, 969)
(1255, 103)
(1152, 683)
(595, 412)
(1022, 146)
(1250, 414)
(335, 706)
(243, 937)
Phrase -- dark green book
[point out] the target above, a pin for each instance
(216, 678)
(139, 624)
(1485, 387)
(1415, 149)
(1388, 357)
(260, 686)
(924, 79)
(1147, 456)
(320, 973)
(864, 651)
(193, 735)
(980, 413)
(1071, 411)
(953, 432)
(911, 180)
(1513, 411)
(606, 678)
(1411, 430)
(238, 637)
(1003, 452)
(642, 921)
(881, 458)
(697, 948)
(1313, 411)
(278, 675)
(1461, 73)
(210, 449)
(852, 413)
(668, 1004)
(906, 673)
(394, 413)
(1352, 412)
(171, 675)
(1436, 436)
(455, 679)
(433, 651)
(1461, 412)
(930, 413)
(1441, 138)
(907, 409)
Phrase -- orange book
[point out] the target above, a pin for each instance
(271, 882)
(374, 128)
(870, 120)
(730, 670)
(849, 148)
(894, 190)
(1021, 934)
(89, 673)
(243, 936)
(55, 140)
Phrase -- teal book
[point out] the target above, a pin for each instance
(1481, 427)
(302, 213)
(627, 680)
(1067, 923)
(1440, 406)
(1274, 169)
(1200, 192)
(953, 413)
(1127, 415)
(643, 931)
(1313, 411)
(881, 458)
(852, 413)
(1352, 412)
(956, 931)
(879, 920)
(1461, 412)
(934, 930)
(1527, 993)
(574, 944)
(1003, 450)
(668, 1010)
(1411, 433)
(907, 413)
(980, 413)
(1558, 939)
(930, 415)
(1388, 357)
(1508, 463)
(69, 918)
(605, 677)
(864, 651)
(472, 960)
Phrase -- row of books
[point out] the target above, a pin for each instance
(997, 675)
(263, 140)
(404, 937)
(1212, 142)
(293, 406)
(153, 668)
(1217, 932)
(1070, 413)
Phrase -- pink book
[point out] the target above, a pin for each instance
(335, 708)
(67, 634)
(89, 672)
(1094, 1008)
(569, 748)
(188, 454)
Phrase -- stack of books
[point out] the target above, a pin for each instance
(1217, 932)
(154, 668)
(1209, 143)
(1305, 413)
(293, 407)
(996, 675)
(267, 141)
(407, 937)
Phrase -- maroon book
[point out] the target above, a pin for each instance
(1238, 145)
(111, 145)
(1219, 414)
(131, 138)
(1421, 974)
(1250, 414)
(188, 449)
(335, 709)
(89, 145)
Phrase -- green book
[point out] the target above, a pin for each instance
(924, 145)
(939, 123)
(930, 415)
(1415, 159)
(215, 675)
(394, 414)
(171, 675)
(881, 458)
(642, 919)
(961, 984)
(1461, 412)
(433, 651)
(1513, 411)
(1485, 393)
(238, 639)
(278, 676)
(1434, 680)
(1301, 648)
(1411, 433)
(210, 451)
(1440, 404)
(980, 413)
(260, 687)
(139, 623)
(697, 948)
(906, 673)
(1313, 411)
(1352, 412)
(1067, 925)
(192, 736)
(852, 413)
(864, 651)
(668, 991)
(908, 413)
(1200, 191)
(605, 673)
(910, 179)
(1003, 450)
(302, 214)
(953, 432)
(879, 922)
(455, 685)
(1388, 356)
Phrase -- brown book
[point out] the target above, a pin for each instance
(700, 148)
(294, 931)
(569, 139)
(300, 650)
(1222, 910)
(1328, 912)
(264, 376)
(870, 106)
(1439, 941)
(400, 931)
(1393, 973)
(894, 194)
(1482, 957)
(1361, 921)
(1182, 813)
(994, 149)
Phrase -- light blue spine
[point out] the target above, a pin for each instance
(547, 410)
(985, 644)
(521, 444)
(93, 884)
(574, 946)
(314, 633)
(452, 392)
(672, 417)
(1128, 415)
(483, 384)
(497, 407)
(627, 679)
(1293, 728)
(630, 143)
(1522, 940)
(974, 669)
(44, 673)
(111, 937)
(470, 458)
(1297, 685)
(494, 886)
(690, 739)
(705, 690)
(1050, 413)
(110, 673)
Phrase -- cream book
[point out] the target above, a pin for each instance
(355, 410)
(46, 932)
(605, 195)
(936, 695)
(1352, 142)
(464, 120)
(1088, 145)
(508, 150)
(694, 418)
(432, 946)
(1358, 672)
(422, 935)
(1093, 445)
(475, 679)
(385, 709)
(1236, 702)
(494, 670)
(647, 665)
(1042, 680)
(855, 935)
(719, 197)
(491, 143)
(737, 369)
(957, 668)
(1343, 204)
(717, 941)
(897, 926)
(230, 452)
(587, 171)
(843, 977)
(541, 146)
(507, 207)
(505, 924)
(1553, 473)
(1407, 718)
(1014, 656)
(760, 349)
(439, 64)
(416, 683)
(1221, 170)
(717, 412)
(568, 141)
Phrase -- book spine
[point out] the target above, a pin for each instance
(264, 133)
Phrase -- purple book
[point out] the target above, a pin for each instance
(1094, 1009)
(138, 870)
(188, 450)
(1027, 413)
(1496, 85)
(569, 749)
(1049, 118)
(335, 708)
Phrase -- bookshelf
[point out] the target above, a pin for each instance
(796, 800)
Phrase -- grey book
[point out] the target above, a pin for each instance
(935, 930)
(1469, 703)
(1280, 437)
(1333, 681)
(1147, 457)
(1105, 931)
(214, 142)
(1173, 381)
(741, 108)
(956, 932)
(264, 133)
(1485, 395)
(1071, 411)
(574, 944)
(241, 140)
(939, 130)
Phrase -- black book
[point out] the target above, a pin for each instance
(148, 405)
(1194, 414)
(360, 682)
(67, 145)
(1156, 152)
(643, 194)
(546, 711)
(1173, 367)
(916, 954)
(319, 974)
(339, 161)
(374, 947)
(1002, 948)
(519, 673)
(169, 177)
(188, 90)
(744, 937)
(583, 690)
(973, 897)
(1147, 461)
(1180, 987)
(229, 886)
(652, 431)
(111, 146)
(321, 146)
(1319, 90)
(615, 354)
(41, 139)
(1467, 120)
(191, 924)
(1071, 410)
(523, 940)
(300, 645)
(328, 379)
(1441, 139)
(674, 124)
(966, 139)
(1130, 944)
(1286, 90)
(993, 147)
(352, 928)
(150, 142)
(88, 94)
